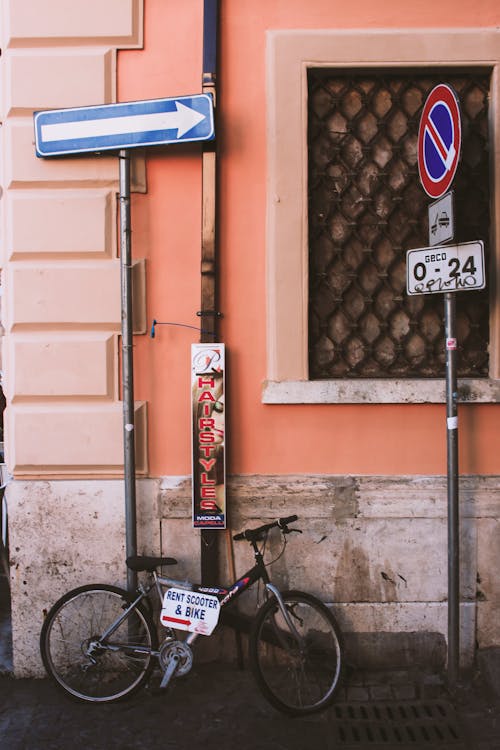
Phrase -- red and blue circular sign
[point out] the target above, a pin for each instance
(439, 140)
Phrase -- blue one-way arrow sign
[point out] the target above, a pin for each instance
(111, 127)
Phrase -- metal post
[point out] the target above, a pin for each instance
(127, 363)
(453, 506)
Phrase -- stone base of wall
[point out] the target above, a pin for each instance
(372, 548)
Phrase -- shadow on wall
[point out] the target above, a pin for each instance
(356, 580)
(5, 618)
(4, 550)
(419, 650)
(5, 627)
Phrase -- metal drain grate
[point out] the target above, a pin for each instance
(408, 724)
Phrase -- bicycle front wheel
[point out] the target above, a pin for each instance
(296, 659)
(82, 662)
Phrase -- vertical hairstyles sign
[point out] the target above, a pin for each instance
(209, 467)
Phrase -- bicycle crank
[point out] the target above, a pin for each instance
(175, 657)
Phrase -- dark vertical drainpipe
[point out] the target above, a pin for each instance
(208, 310)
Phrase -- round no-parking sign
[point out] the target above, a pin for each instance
(439, 140)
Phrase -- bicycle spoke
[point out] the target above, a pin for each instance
(74, 656)
(298, 670)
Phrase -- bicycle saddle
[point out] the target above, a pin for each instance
(145, 562)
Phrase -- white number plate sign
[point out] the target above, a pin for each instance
(445, 268)
(190, 610)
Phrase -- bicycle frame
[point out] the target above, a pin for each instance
(226, 595)
(287, 634)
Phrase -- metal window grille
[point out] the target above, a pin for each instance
(367, 208)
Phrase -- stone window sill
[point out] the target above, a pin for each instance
(431, 391)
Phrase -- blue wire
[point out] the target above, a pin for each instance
(180, 325)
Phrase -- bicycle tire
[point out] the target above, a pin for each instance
(83, 615)
(296, 680)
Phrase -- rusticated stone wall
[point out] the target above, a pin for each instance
(373, 548)
(61, 280)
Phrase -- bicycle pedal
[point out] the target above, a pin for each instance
(169, 671)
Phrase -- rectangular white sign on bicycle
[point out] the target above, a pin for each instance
(190, 610)
(445, 268)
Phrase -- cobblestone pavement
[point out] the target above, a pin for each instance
(217, 706)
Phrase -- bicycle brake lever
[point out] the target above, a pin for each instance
(286, 530)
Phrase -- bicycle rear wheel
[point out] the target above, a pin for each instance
(298, 668)
(83, 665)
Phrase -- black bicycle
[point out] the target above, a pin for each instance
(99, 643)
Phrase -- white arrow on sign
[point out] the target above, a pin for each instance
(190, 610)
(110, 127)
(183, 119)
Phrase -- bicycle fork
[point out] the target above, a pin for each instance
(286, 614)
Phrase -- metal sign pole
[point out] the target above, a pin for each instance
(444, 269)
(453, 505)
(119, 128)
(127, 364)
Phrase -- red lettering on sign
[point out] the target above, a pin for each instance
(208, 382)
(208, 492)
(208, 443)
(205, 480)
(207, 450)
(206, 396)
(208, 505)
(207, 465)
(206, 437)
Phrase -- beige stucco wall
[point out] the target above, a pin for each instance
(61, 306)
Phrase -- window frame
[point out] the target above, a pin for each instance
(290, 54)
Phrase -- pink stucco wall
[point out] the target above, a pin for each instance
(268, 439)
(61, 321)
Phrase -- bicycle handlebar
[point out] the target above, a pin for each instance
(254, 534)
